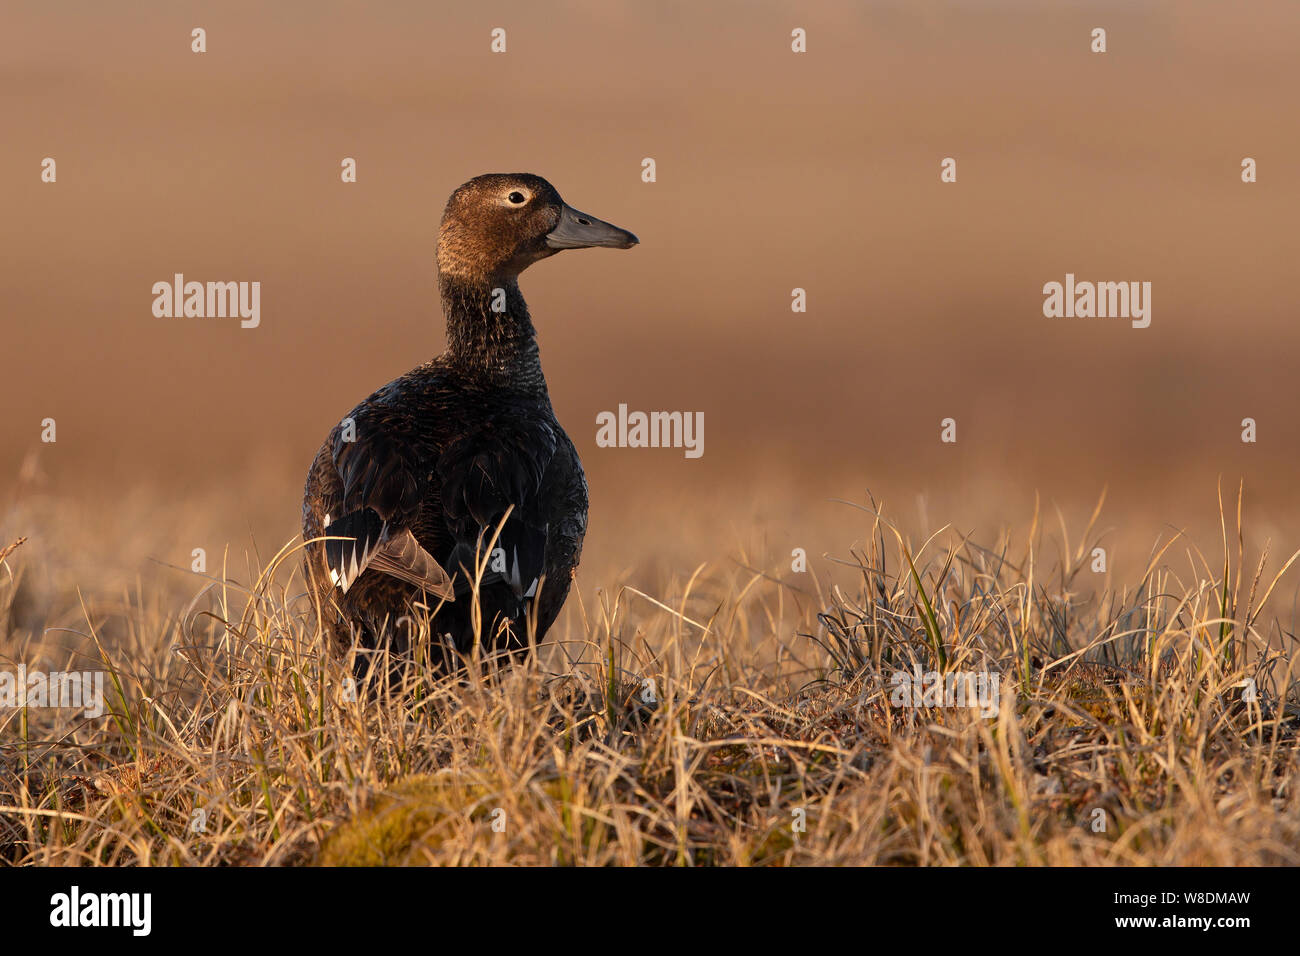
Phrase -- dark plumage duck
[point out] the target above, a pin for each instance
(410, 488)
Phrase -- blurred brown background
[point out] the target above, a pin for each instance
(775, 170)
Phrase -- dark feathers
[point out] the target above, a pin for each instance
(458, 471)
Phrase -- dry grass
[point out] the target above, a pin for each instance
(1120, 703)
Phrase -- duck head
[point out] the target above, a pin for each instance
(497, 225)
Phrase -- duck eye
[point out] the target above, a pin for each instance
(516, 197)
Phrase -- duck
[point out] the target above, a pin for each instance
(452, 496)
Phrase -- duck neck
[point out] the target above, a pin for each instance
(490, 336)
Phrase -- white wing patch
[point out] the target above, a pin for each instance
(354, 565)
(516, 580)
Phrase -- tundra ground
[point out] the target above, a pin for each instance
(745, 715)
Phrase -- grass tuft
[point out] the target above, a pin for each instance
(733, 719)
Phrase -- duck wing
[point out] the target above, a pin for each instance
(493, 478)
(381, 496)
